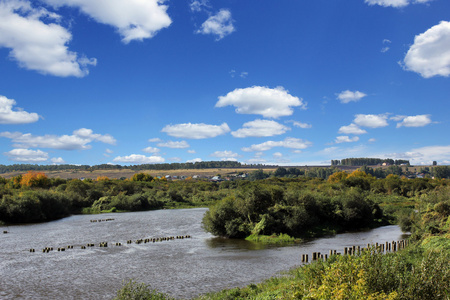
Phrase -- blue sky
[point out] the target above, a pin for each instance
(256, 81)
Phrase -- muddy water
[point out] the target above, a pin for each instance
(183, 268)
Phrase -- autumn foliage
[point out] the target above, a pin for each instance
(35, 179)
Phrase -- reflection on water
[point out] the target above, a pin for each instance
(234, 244)
(182, 268)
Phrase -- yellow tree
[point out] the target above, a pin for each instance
(35, 179)
(337, 177)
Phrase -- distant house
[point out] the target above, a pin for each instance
(216, 178)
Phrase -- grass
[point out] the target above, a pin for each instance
(273, 239)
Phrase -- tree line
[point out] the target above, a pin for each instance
(166, 166)
(364, 161)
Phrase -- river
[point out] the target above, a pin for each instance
(182, 268)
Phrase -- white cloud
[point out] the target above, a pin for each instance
(395, 3)
(57, 160)
(139, 159)
(372, 140)
(415, 121)
(196, 131)
(224, 154)
(349, 96)
(194, 160)
(89, 134)
(17, 116)
(175, 145)
(371, 121)
(329, 150)
(36, 45)
(278, 155)
(78, 141)
(351, 129)
(109, 151)
(302, 125)
(397, 118)
(256, 161)
(270, 103)
(133, 19)
(27, 155)
(425, 155)
(430, 54)
(260, 128)
(191, 151)
(385, 48)
(155, 140)
(243, 74)
(386, 3)
(150, 150)
(198, 6)
(292, 143)
(220, 24)
(346, 139)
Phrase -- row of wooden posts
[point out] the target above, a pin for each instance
(105, 244)
(102, 220)
(356, 250)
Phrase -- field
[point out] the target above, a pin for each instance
(128, 173)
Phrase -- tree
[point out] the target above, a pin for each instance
(34, 179)
(142, 177)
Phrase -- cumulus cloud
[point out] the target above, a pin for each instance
(346, 139)
(57, 160)
(139, 159)
(197, 6)
(191, 151)
(155, 140)
(425, 155)
(173, 144)
(220, 25)
(371, 121)
(8, 115)
(349, 96)
(301, 125)
(385, 48)
(386, 3)
(78, 141)
(270, 103)
(36, 45)
(351, 129)
(133, 19)
(27, 155)
(289, 142)
(430, 54)
(151, 150)
(225, 155)
(194, 160)
(415, 121)
(395, 3)
(260, 128)
(196, 131)
(278, 155)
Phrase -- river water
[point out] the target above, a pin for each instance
(182, 268)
